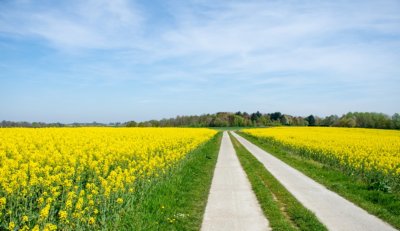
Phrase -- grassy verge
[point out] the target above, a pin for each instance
(283, 211)
(384, 205)
(177, 200)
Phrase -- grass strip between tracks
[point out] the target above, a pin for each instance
(282, 209)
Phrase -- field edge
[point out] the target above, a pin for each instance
(177, 200)
(378, 203)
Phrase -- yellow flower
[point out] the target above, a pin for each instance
(44, 213)
(3, 202)
(91, 221)
(25, 218)
(68, 204)
(357, 149)
(77, 169)
(79, 204)
(40, 200)
(50, 227)
(11, 225)
(63, 215)
(24, 228)
(77, 215)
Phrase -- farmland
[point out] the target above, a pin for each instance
(374, 154)
(79, 178)
(361, 165)
(159, 178)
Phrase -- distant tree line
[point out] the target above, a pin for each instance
(243, 119)
(257, 119)
(25, 124)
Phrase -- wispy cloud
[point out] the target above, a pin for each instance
(76, 24)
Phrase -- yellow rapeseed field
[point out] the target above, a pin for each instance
(369, 151)
(72, 178)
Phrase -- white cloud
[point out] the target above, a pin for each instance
(256, 36)
(261, 37)
(79, 25)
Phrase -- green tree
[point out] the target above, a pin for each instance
(396, 121)
(286, 120)
(131, 124)
(311, 120)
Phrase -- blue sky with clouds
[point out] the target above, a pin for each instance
(120, 60)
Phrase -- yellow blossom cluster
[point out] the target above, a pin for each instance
(363, 150)
(72, 178)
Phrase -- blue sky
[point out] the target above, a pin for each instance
(107, 61)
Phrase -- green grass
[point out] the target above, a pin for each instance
(177, 200)
(384, 205)
(283, 211)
